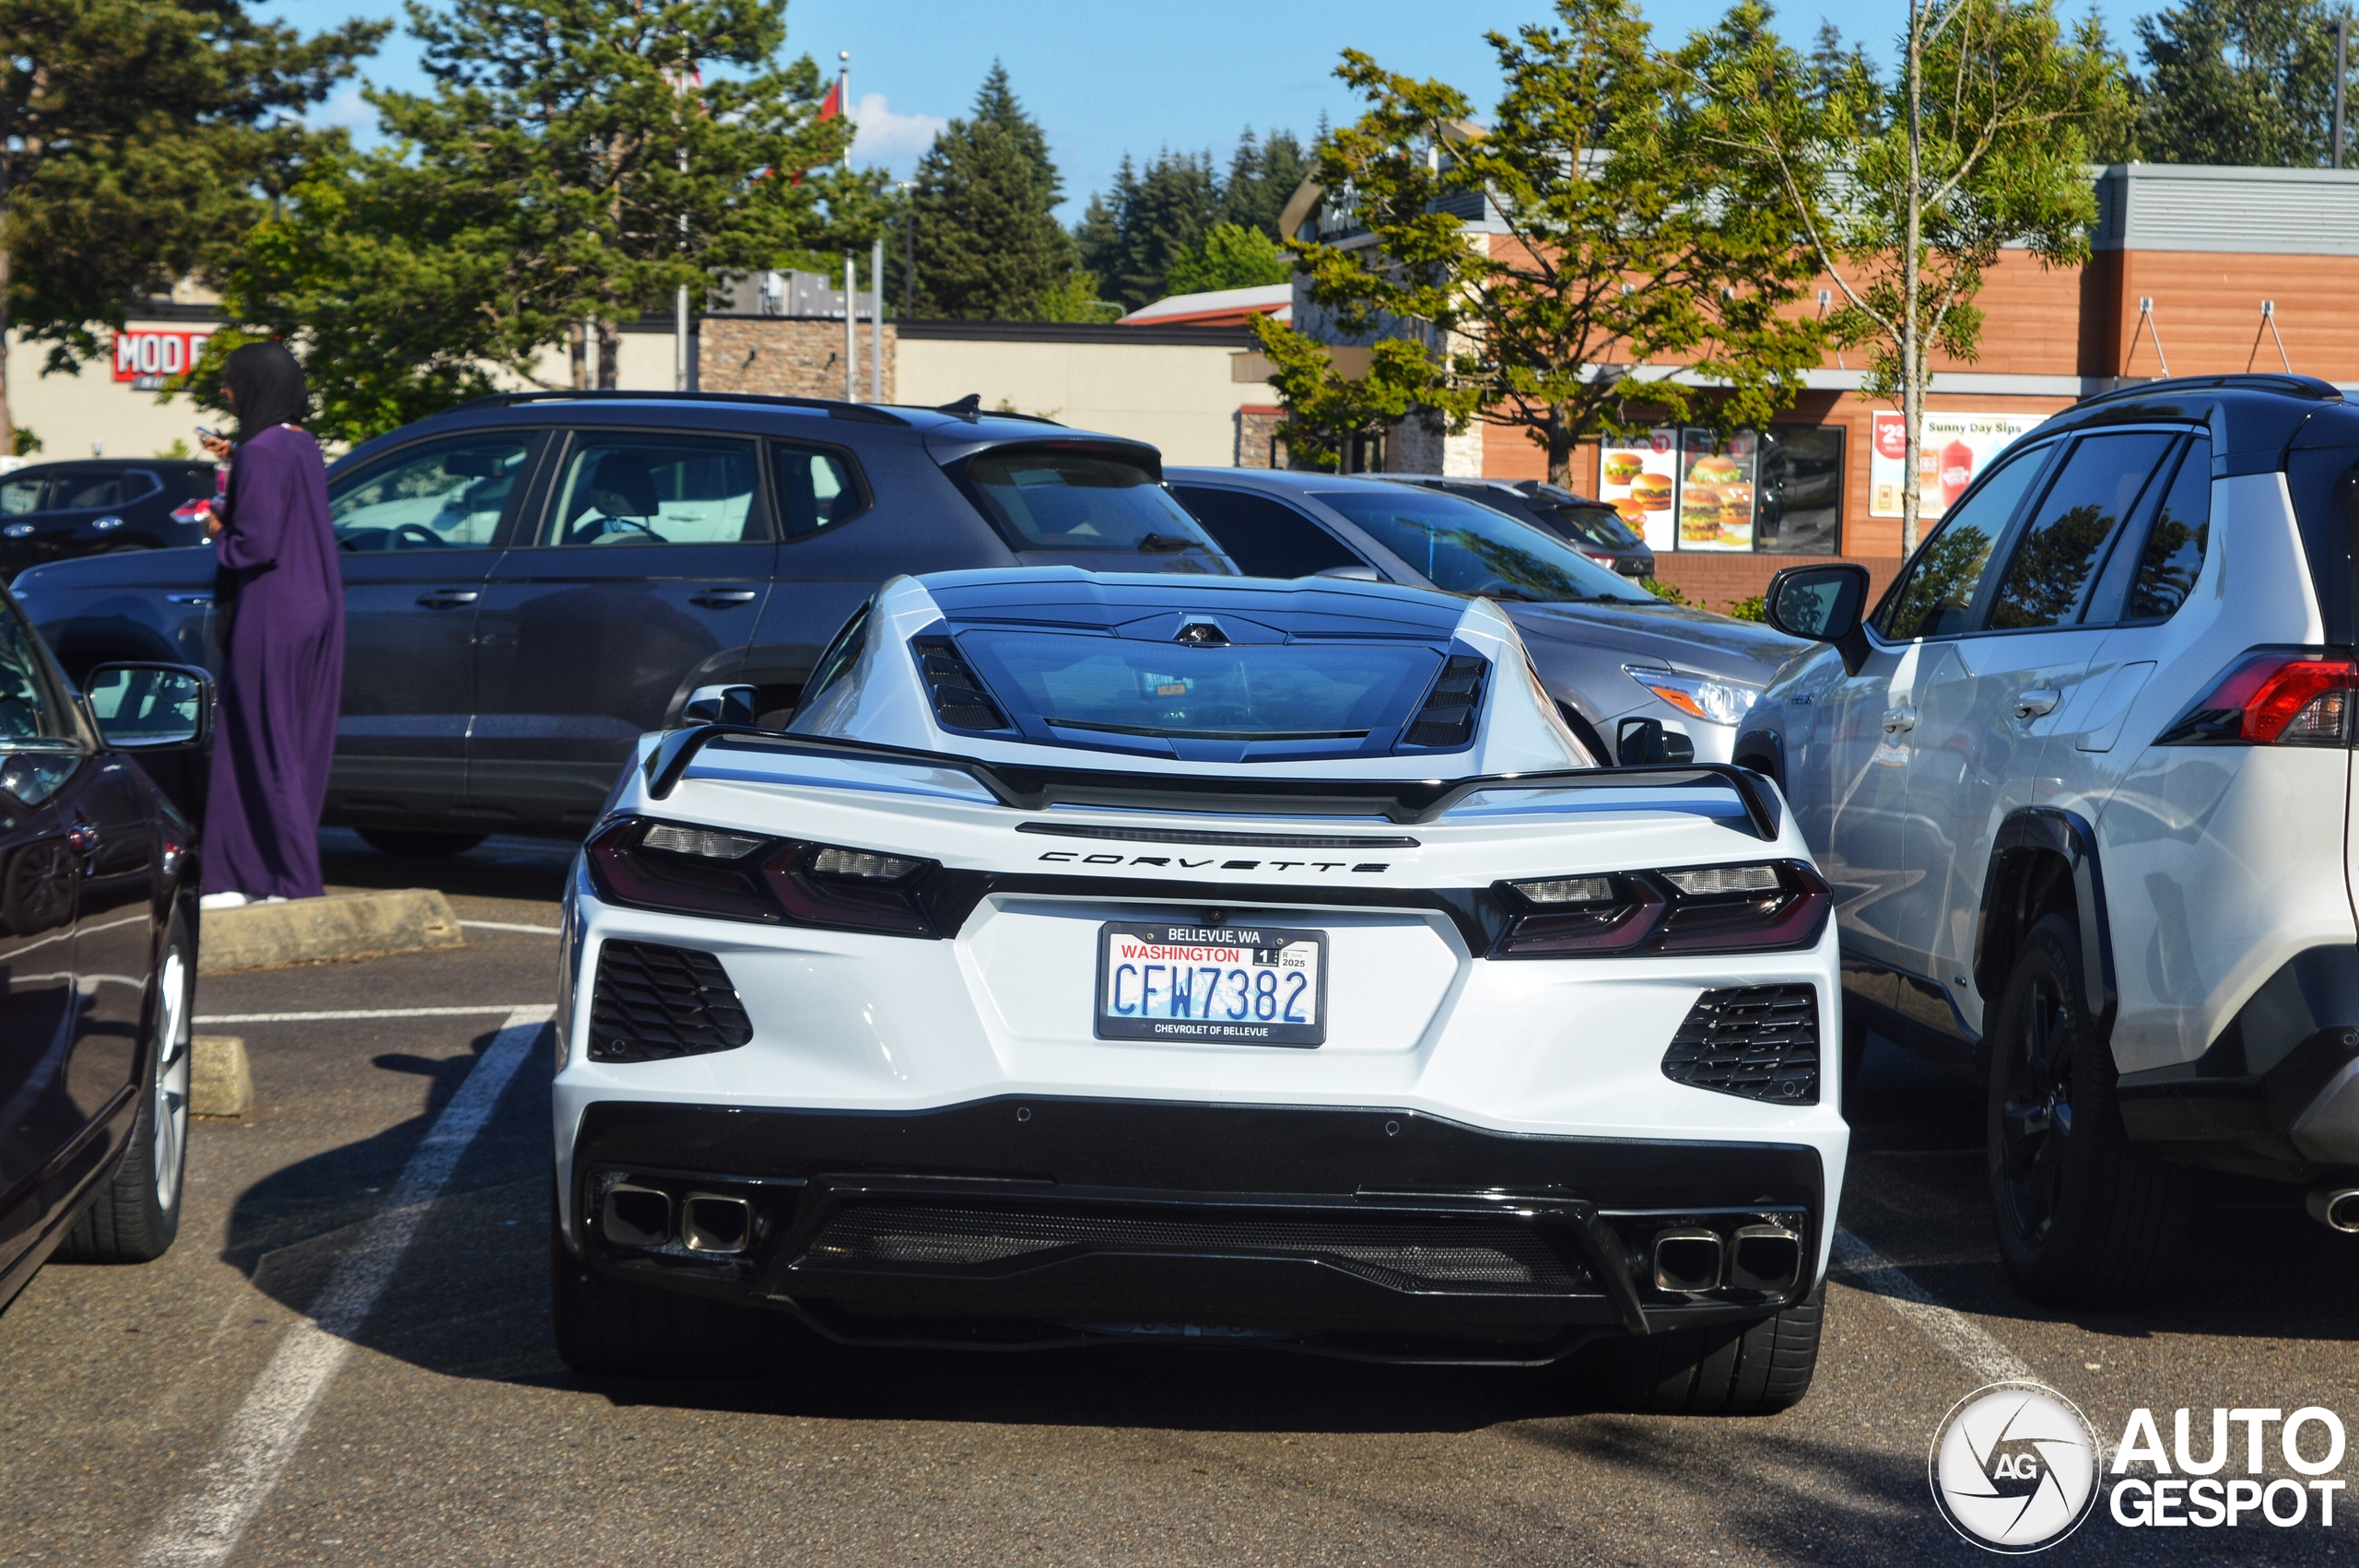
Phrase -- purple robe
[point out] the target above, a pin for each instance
(282, 672)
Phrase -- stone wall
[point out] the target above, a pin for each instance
(1257, 437)
(787, 355)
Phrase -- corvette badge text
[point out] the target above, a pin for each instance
(2014, 1468)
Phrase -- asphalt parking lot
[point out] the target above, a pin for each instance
(294, 1384)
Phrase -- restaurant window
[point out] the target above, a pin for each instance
(1778, 491)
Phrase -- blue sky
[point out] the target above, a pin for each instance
(1106, 77)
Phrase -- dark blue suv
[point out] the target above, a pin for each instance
(531, 580)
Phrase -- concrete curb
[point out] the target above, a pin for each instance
(220, 1080)
(303, 930)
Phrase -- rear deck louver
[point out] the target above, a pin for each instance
(1757, 1041)
(1448, 717)
(959, 700)
(651, 1002)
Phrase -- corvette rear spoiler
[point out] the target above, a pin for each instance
(1025, 787)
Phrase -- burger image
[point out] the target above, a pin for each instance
(1736, 501)
(1694, 529)
(1700, 501)
(1715, 471)
(1652, 491)
(1620, 468)
(1631, 510)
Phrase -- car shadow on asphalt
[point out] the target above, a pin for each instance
(2253, 1264)
(497, 868)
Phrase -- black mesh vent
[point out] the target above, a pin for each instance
(1469, 1253)
(652, 1002)
(1759, 1041)
(1448, 717)
(959, 700)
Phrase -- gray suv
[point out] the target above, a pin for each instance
(2081, 783)
(531, 580)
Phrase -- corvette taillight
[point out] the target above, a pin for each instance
(739, 876)
(1743, 908)
(2273, 697)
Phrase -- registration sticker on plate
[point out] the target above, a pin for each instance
(1231, 985)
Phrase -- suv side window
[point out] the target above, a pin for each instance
(22, 493)
(2056, 560)
(101, 489)
(1265, 538)
(816, 489)
(2173, 557)
(648, 489)
(1936, 596)
(443, 493)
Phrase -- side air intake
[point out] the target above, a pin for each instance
(1757, 1041)
(1448, 717)
(959, 700)
(651, 1002)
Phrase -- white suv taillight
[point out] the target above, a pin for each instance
(2273, 697)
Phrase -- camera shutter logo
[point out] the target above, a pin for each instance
(2014, 1468)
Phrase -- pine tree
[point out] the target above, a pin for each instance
(2238, 82)
(989, 245)
(1261, 180)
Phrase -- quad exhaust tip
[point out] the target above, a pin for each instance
(1687, 1262)
(2336, 1207)
(636, 1216)
(710, 1222)
(1766, 1257)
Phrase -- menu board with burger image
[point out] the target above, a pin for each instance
(1715, 490)
(1640, 480)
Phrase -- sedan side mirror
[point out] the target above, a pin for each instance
(720, 705)
(1824, 605)
(150, 708)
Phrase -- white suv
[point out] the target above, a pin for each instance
(2081, 784)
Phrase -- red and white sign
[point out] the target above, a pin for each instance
(149, 354)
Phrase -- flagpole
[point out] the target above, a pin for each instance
(851, 291)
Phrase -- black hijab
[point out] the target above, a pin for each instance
(267, 385)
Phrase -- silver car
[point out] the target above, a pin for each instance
(1639, 680)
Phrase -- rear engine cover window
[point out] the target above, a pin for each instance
(2048, 578)
(1072, 501)
(1257, 692)
(1466, 548)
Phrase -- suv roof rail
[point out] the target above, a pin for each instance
(863, 411)
(2280, 382)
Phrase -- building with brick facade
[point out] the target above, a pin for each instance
(2193, 271)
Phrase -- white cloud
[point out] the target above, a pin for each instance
(887, 137)
(345, 107)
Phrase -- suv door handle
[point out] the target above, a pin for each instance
(445, 598)
(723, 598)
(1899, 721)
(2035, 704)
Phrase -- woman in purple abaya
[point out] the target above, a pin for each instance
(278, 600)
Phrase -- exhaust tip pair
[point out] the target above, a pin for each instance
(1695, 1261)
(706, 1221)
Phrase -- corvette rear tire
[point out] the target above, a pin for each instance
(2084, 1217)
(611, 1327)
(1736, 1369)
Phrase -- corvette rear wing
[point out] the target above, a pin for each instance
(1025, 787)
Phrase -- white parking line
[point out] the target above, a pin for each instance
(509, 926)
(203, 1526)
(515, 1007)
(1971, 1344)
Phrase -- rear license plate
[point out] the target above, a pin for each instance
(1232, 985)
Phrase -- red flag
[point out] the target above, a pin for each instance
(833, 104)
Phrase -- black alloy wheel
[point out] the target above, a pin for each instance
(2084, 1217)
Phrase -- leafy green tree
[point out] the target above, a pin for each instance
(1326, 412)
(1228, 257)
(134, 136)
(1262, 178)
(2238, 82)
(1636, 277)
(989, 246)
(603, 153)
(1907, 188)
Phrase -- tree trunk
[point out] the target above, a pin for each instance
(609, 344)
(7, 415)
(1560, 450)
(1912, 283)
(578, 335)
